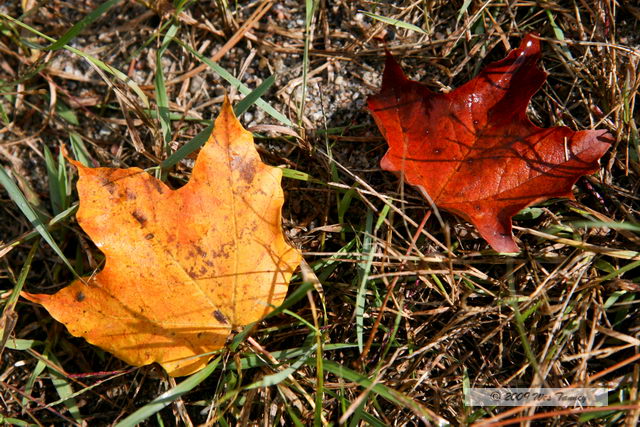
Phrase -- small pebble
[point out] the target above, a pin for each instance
(196, 84)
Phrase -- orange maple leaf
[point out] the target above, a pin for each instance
(474, 152)
(183, 267)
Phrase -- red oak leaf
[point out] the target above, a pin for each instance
(474, 152)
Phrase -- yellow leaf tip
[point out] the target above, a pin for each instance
(227, 110)
(70, 159)
(36, 298)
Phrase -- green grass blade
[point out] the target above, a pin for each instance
(169, 396)
(557, 31)
(522, 331)
(344, 204)
(161, 91)
(394, 22)
(278, 377)
(82, 24)
(79, 150)
(251, 98)
(302, 320)
(618, 272)
(326, 267)
(9, 317)
(55, 220)
(173, 116)
(18, 198)
(67, 113)
(162, 100)
(4, 117)
(235, 82)
(363, 276)
(344, 403)
(294, 174)
(39, 368)
(64, 389)
(291, 411)
(114, 72)
(14, 422)
(609, 224)
(188, 148)
(370, 419)
(52, 177)
(310, 6)
(382, 217)
(21, 345)
(320, 388)
(22, 277)
(63, 183)
(463, 9)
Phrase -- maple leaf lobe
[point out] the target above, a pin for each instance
(473, 151)
(183, 267)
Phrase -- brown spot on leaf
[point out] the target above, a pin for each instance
(80, 296)
(200, 251)
(149, 236)
(223, 251)
(107, 184)
(220, 317)
(159, 188)
(246, 169)
(139, 216)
